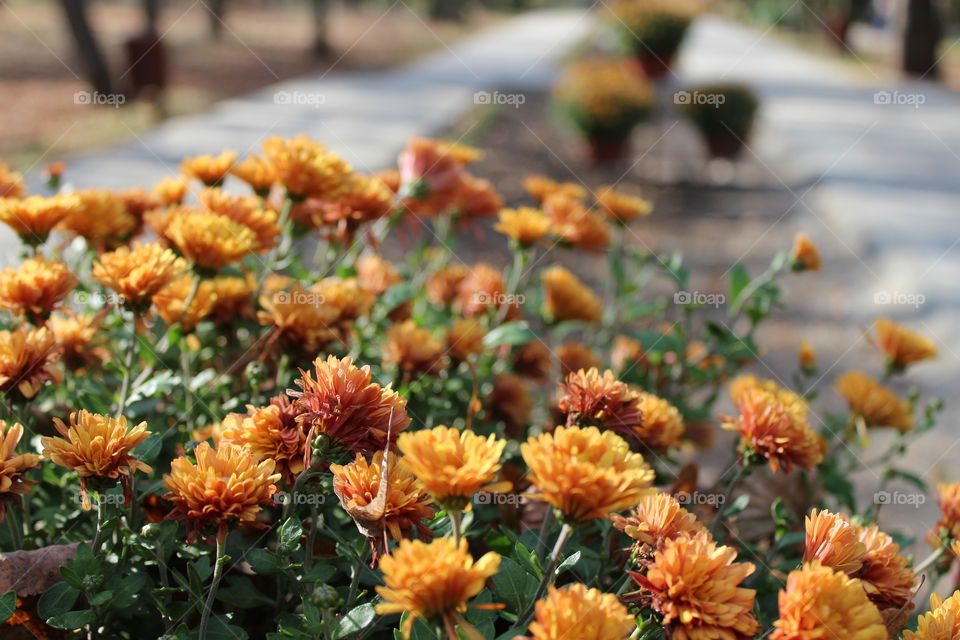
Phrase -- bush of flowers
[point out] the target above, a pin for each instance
(652, 30)
(231, 416)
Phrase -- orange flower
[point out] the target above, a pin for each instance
(541, 187)
(575, 225)
(269, 433)
(620, 207)
(376, 274)
(301, 316)
(226, 484)
(35, 217)
(942, 622)
(626, 353)
(948, 498)
(210, 241)
(483, 289)
(11, 183)
(138, 201)
(574, 356)
(28, 359)
(586, 474)
(833, 541)
(743, 384)
(76, 335)
(246, 211)
(172, 299)
(346, 297)
(306, 168)
(873, 403)
(13, 467)
(534, 360)
(590, 399)
(256, 172)
(138, 273)
(806, 356)
(444, 285)
(657, 518)
(510, 401)
(433, 581)
(820, 602)
(360, 199)
(210, 170)
(413, 350)
(36, 287)
(453, 465)
(662, 423)
(477, 198)
(567, 298)
(234, 298)
(434, 169)
(97, 446)
(526, 226)
(171, 191)
(465, 338)
(901, 346)
(694, 583)
(101, 217)
(886, 576)
(578, 612)
(804, 256)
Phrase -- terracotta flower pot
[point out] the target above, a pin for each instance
(654, 66)
(607, 150)
(724, 145)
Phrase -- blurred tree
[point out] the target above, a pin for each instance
(88, 49)
(921, 38)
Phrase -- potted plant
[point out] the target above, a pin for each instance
(723, 114)
(604, 101)
(653, 30)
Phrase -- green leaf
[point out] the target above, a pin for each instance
(101, 598)
(57, 600)
(355, 621)
(738, 506)
(290, 533)
(737, 282)
(266, 562)
(72, 619)
(568, 563)
(396, 296)
(8, 604)
(512, 333)
(513, 586)
(241, 593)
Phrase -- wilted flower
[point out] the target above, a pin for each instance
(874, 403)
(28, 359)
(138, 273)
(567, 298)
(11, 183)
(210, 170)
(13, 466)
(171, 191)
(586, 473)
(658, 517)
(226, 484)
(433, 581)
(247, 211)
(942, 622)
(574, 356)
(413, 350)
(270, 432)
(591, 399)
(33, 218)
(465, 338)
(694, 583)
(526, 226)
(443, 286)
(36, 287)
(171, 302)
(101, 217)
(578, 612)
(306, 168)
(900, 345)
(453, 465)
(820, 602)
(662, 423)
(804, 256)
(541, 187)
(256, 172)
(210, 241)
(620, 207)
(97, 446)
(76, 335)
(834, 541)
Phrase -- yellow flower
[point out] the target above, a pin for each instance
(694, 583)
(246, 211)
(269, 433)
(834, 541)
(210, 240)
(465, 338)
(413, 350)
(28, 359)
(33, 218)
(210, 170)
(806, 356)
(657, 518)
(820, 602)
(76, 335)
(541, 187)
(101, 217)
(804, 256)
(172, 299)
(226, 484)
(526, 226)
(620, 207)
(875, 404)
(11, 183)
(901, 346)
(171, 191)
(453, 465)
(434, 581)
(13, 482)
(567, 298)
(942, 622)
(234, 298)
(137, 273)
(36, 287)
(97, 446)
(586, 474)
(346, 297)
(590, 399)
(306, 168)
(256, 172)
(662, 423)
(578, 612)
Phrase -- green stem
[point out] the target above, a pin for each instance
(355, 571)
(565, 532)
(455, 522)
(929, 560)
(100, 509)
(15, 533)
(548, 519)
(727, 494)
(127, 369)
(214, 585)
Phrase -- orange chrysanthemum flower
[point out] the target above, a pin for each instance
(434, 169)
(171, 191)
(234, 298)
(171, 301)
(662, 423)
(657, 518)
(269, 433)
(344, 405)
(376, 274)
(226, 484)
(210, 170)
(306, 168)
(874, 404)
(901, 346)
(301, 317)
(591, 399)
(626, 353)
(535, 360)
(526, 226)
(77, 337)
(13, 466)
(586, 473)
(886, 576)
(694, 583)
(834, 541)
(453, 465)
(820, 602)
(510, 401)
(483, 289)
(97, 446)
(576, 225)
(743, 384)
(11, 183)
(210, 240)
(942, 622)
(101, 217)
(465, 338)
(804, 256)
(36, 287)
(245, 210)
(574, 356)
(256, 172)
(444, 285)
(620, 207)
(138, 273)
(434, 581)
(405, 507)
(806, 356)
(578, 612)
(477, 198)
(565, 297)
(28, 359)
(948, 498)
(346, 297)
(541, 187)
(33, 218)
(413, 350)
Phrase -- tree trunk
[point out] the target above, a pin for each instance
(921, 37)
(216, 9)
(451, 10)
(88, 49)
(151, 14)
(321, 14)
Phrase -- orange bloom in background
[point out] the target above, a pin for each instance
(658, 517)
(942, 622)
(576, 225)
(694, 583)
(820, 602)
(948, 498)
(586, 473)
(171, 301)
(578, 612)
(453, 465)
(566, 298)
(301, 316)
(77, 337)
(343, 404)
(534, 360)
(208, 169)
(434, 169)
(138, 201)
(510, 401)
(358, 484)
(465, 338)
(834, 541)
(13, 466)
(806, 356)
(36, 287)
(662, 423)
(346, 297)
(591, 399)
(171, 191)
(769, 428)
(901, 346)
(743, 384)
(526, 226)
(433, 581)
(477, 198)
(270, 432)
(886, 576)
(33, 218)
(804, 256)
(620, 207)
(574, 356)
(137, 274)
(210, 241)
(11, 183)
(234, 298)
(541, 187)
(874, 403)
(413, 350)
(443, 286)
(97, 446)
(376, 274)
(247, 211)
(101, 217)
(483, 289)
(256, 172)
(226, 485)
(28, 360)
(305, 167)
